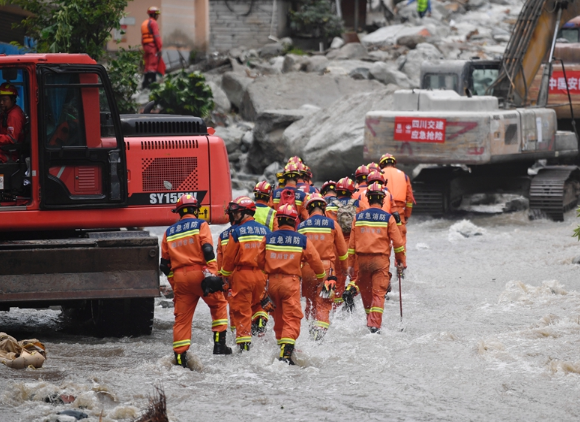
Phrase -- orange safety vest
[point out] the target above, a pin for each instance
(396, 183)
(146, 33)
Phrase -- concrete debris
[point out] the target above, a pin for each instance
(387, 75)
(349, 51)
(336, 43)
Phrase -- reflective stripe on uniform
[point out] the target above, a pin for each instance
(224, 242)
(314, 230)
(375, 309)
(399, 249)
(363, 223)
(243, 340)
(322, 324)
(260, 314)
(321, 275)
(284, 248)
(181, 235)
(210, 261)
(351, 251)
(344, 257)
(219, 322)
(338, 300)
(250, 239)
(226, 273)
(271, 214)
(180, 343)
(285, 340)
(409, 205)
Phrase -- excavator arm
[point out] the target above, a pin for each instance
(532, 40)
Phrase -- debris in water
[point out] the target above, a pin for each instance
(463, 229)
(157, 411)
(77, 414)
(21, 354)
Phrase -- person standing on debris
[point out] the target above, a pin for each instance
(399, 185)
(327, 238)
(280, 256)
(423, 7)
(247, 282)
(186, 249)
(264, 214)
(152, 45)
(369, 247)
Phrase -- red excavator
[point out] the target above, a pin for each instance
(75, 193)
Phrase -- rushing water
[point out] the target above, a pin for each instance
(491, 331)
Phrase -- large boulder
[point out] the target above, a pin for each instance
(268, 145)
(388, 35)
(232, 136)
(346, 67)
(271, 50)
(348, 51)
(290, 91)
(316, 64)
(234, 84)
(411, 63)
(220, 99)
(382, 72)
(331, 140)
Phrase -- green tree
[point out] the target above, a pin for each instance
(124, 73)
(315, 17)
(71, 26)
(183, 93)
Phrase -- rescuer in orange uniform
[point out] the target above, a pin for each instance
(246, 280)
(12, 119)
(152, 45)
(399, 185)
(223, 240)
(377, 177)
(328, 192)
(264, 214)
(290, 180)
(327, 238)
(280, 255)
(187, 250)
(370, 247)
(360, 177)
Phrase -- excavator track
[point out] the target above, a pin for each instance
(554, 191)
(429, 201)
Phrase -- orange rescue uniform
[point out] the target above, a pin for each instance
(182, 246)
(223, 240)
(399, 185)
(300, 199)
(11, 129)
(152, 44)
(280, 255)
(372, 232)
(327, 238)
(247, 281)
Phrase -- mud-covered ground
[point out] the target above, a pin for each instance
(491, 331)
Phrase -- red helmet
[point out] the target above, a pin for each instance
(375, 189)
(294, 160)
(346, 184)
(185, 201)
(8, 89)
(373, 166)
(263, 188)
(315, 199)
(242, 203)
(361, 172)
(287, 211)
(291, 170)
(387, 159)
(308, 172)
(153, 11)
(330, 185)
(376, 176)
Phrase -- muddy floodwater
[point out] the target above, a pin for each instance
(490, 332)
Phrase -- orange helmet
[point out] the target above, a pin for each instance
(291, 170)
(287, 211)
(184, 202)
(346, 185)
(307, 172)
(8, 89)
(294, 160)
(376, 176)
(243, 203)
(387, 159)
(315, 200)
(361, 173)
(263, 188)
(330, 185)
(153, 11)
(373, 166)
(376, 190)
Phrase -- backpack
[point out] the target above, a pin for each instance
(345, 215)
(288, 197)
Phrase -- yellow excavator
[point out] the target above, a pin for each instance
(487, 143)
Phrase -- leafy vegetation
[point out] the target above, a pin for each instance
(183, 93)
(315, 17)
(124, 73)
(71, 26)
(577, 230)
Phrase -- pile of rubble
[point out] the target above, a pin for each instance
(272, 103)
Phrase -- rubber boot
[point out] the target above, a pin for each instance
(219, 344)
(259, 326)
(348, 298)
(181, 359)
(245, 347)
(286, 353)
(375, 330)
(318, 333)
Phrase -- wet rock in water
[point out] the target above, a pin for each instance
(348, 51)
(234, 84)
(60, 418)
(516, 204)
(331, 140)
(464, 229)
(382, 72)
(76, 414)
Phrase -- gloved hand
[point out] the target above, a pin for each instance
(350, 272)
(267, 304)
(401, 269)
(212, 284)
(348, 297)
(328, 287)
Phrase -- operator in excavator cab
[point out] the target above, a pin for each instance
(12, 120)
